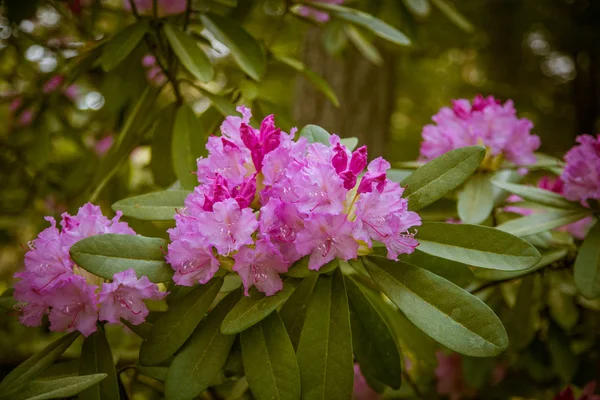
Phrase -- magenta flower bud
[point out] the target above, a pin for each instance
(340, 158)
(148, 61)
(349, 179)
(52, 84)
(358, 162)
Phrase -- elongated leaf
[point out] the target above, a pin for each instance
(270, 363)
(161, 162)
(300, 268)
(541, 222)
(537, 195)
(157, 206)
(420, 8)
(315, 134)
(142, 330)
(325, 348)
(105, 255)
(158, 373)
(7, 301)
(587, 264)
(504, 176)
(37, 363)
(521, 325)
(198, 363)
(223, 105)
(455, 272)
(444, 311)
(476, 245)
(119, 47)
(188, 144)
(363, 45)
(439, 176)
(548, 257)
(246, 50)
(96, 357)
(191, 56)
(350, 142)
(453, 15)
(55, 389)
(565, 363)
(373, 341)
(253, 309)
(294, 310)
(476, 200)
(176, 325)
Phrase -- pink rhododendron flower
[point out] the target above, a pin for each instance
(73, 298)
(485, 122)
(265, 200)
(362, 390)
(315, 14)
(164, 7)
(581, 176)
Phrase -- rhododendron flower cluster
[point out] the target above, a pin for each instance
(73, 298)
(485, 122)
(581, 175)
(266, 200)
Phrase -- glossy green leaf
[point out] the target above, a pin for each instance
(221, 103)
(37, 363)
(176, 325)
(253, 309)
(300, 268)
(456, 272)
(453, 15)
(159, 373)
(441, 175)
(198, 363)
(478, 246)
(541, 222)
(161, 162)
(315, 134)
(189, 54)
(105, 255)
(537, 195)
(547, 258)
(350, 143)
(444, 311)
(293, 311)
(325, 348)
(420, 8)
(504, 176)
(521, 324)
(587, 264)
(96, 357)
(156, 206)
(270, 363)
(123, 44)
(188, 144)
(245, 49)
(476, 199)
(363, 45)
(373, 341)
(142, 330)
(55, 389)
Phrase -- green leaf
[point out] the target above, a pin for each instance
(521, 324)
(120, 46)
(96, 357)
(363, 45)
(176, 325)
(420, 8)
(142, 330)
(188, 144)
(315, 134)
(158, 373)
(104, 255)
(245, 49)
(453, 15)
(541, 222)
(455, 272)
(55, 389)
(504, 176)
(191, 56)
(300, 268)
(537, 195)
(7, 301)
(441, 175)
(375, 25)
(444, 311)
(157, 206)
(398, 175)
(293, 311)
(565, 363)
(548, 257)
(320, 83)
(476, 199)
(587, 264)
(350, 143)
(478, 246)
(253, 309)
(161, 162)
(223, 105)
(270, 363)
(198, 363)
(374, 345)
(325, 348)
(37, 363)
(334, 37)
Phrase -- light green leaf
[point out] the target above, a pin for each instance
(372, 339)
(191, 56)
(398, 175)
(105, 255)
(253, 309)
(476, 199)
(96, 357)
(334, 37)
(157, 206)
(36, 364)
(176, 325)
(198, 363)
(453, 15)
(293, 311)
(270, 363)
(420, 8)
(161, 162)
(315, 134)
(350, 143)
(478, 246)
(123, 44)
(548, 257)
(325, 348)
(537, 195)
(587, 264)
(503, 176)
(245, 49)
(444, 311)
(55, 389)
(188, 144)
(456, 272)
(541, 222)
(363, 45)
(439, 176)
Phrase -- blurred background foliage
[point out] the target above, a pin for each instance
(62, 111)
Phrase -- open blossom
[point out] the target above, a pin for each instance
(581, 176)
(265, 200)
(485, 121)
(73, 298)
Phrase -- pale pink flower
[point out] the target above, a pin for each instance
(581, 175)
(260, 267)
